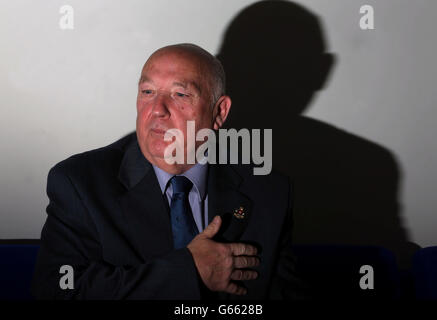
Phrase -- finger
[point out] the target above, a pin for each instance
(245, 262)
(233, 288)
(239, 274)
(239, 249)
(212, 228)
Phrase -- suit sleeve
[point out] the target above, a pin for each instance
(69, 237)
(287, 283)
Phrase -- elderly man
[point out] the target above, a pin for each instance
(129, 224)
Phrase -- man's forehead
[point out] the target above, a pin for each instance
(171, 68)
(179, 59)
(176, 56)
(183, 70)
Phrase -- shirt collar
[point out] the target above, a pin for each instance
(197, 174)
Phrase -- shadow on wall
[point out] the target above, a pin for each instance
(345, 187)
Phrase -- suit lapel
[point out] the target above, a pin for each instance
(223, 199)
(226, 200)
(143, 205)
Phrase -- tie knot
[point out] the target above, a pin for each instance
(181, 184)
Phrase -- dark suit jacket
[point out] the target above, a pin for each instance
(108, 219)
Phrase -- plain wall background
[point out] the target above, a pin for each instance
(67, 91)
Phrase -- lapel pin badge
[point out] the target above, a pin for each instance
(239, 213)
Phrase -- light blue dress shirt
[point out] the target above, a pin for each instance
(198, 196)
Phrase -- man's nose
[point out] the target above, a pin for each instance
(160, 105)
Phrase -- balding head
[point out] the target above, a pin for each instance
(210, 66)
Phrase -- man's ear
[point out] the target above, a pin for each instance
(221, 111)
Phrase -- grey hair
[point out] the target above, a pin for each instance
(216, 71)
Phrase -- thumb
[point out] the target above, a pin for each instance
(211, 230)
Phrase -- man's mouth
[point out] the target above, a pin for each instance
(158, 131)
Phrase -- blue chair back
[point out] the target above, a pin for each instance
(17, 263)
(425, 273)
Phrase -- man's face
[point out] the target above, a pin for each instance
(173, 89)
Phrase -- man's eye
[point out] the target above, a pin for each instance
(146, 91)
(180, 94)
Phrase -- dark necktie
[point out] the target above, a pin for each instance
(182, 221)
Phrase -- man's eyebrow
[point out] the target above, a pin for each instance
(185, 84)
(181, 83)
(144, 79)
